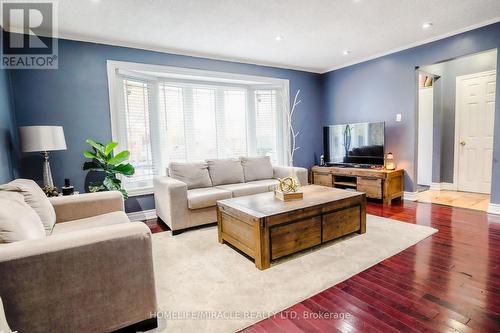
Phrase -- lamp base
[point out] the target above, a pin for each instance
(47, 174)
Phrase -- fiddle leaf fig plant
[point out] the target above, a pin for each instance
(104, 160)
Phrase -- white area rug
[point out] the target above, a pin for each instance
(209, 287)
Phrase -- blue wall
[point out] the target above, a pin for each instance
(379, 89)
(76, 97)
(7, 129)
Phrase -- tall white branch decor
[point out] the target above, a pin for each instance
(293, 134)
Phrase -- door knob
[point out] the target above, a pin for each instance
(462, 143)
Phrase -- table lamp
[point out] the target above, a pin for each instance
(389, 162)
(43, 139)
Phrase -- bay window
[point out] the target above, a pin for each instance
(164, 114)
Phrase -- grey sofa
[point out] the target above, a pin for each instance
(73, 264)
(187, 197)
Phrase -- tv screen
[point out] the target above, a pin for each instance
(354, 144)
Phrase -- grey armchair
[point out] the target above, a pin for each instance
(93, 273)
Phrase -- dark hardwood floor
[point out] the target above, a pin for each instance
(449, 282)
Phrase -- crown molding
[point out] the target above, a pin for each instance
(412, 45)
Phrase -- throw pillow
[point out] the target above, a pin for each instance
(18, 221)
(195, 175)
(257, 168)
(36, 199)
(228, 171)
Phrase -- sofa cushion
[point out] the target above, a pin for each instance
(91, 222)
(195, 175)
(18, 221)
(36, 199)
(257, 168)
(260, 186)
(227, 171)
(206, 197)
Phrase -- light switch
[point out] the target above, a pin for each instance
(398, 117)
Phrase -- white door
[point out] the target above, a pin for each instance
(475, 116)
(425, 121)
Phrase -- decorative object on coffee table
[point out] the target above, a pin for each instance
(267, 229)
(43, 139)
(104, 160)
(287, 189)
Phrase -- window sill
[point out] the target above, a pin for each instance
(140, 191)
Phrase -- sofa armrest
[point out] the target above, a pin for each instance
(80, 206)
(283, 171)
(94, 280)
(171, 202)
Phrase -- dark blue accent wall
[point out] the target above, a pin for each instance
(7, 129)
(379, 89)
(75, 96)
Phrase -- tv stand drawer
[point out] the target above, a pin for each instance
(371, 186)
(325, 179)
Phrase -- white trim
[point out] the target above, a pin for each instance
(143, 67)
(140, 191)
(410, 196)
(419, 130)
(412, 45)
(458, 106)
(442, 187)
(494, 209)
(142, 215)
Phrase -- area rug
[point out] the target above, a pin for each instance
(204, 286)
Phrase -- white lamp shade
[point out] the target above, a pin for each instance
(42, 138)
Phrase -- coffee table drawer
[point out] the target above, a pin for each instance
(293, 237)
(341, 223)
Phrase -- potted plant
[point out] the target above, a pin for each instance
(104, 160)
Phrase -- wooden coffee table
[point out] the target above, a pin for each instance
(266, 228)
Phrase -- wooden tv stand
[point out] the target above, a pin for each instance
(376, 183)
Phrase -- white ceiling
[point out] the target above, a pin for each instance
(315, 32)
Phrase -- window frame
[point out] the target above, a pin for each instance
(116, 69)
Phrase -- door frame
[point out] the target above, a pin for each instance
(458, 94)
(419, 131)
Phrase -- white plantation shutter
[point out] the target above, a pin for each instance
(232, 126)
(267, 110)
(135, 131)
(171, 123)
(163, 120)
(198, 122)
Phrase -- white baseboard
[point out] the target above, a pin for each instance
(494, 209)
(410, 196)
(142, 215)
(442, 186)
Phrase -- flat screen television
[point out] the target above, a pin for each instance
(360, 144)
